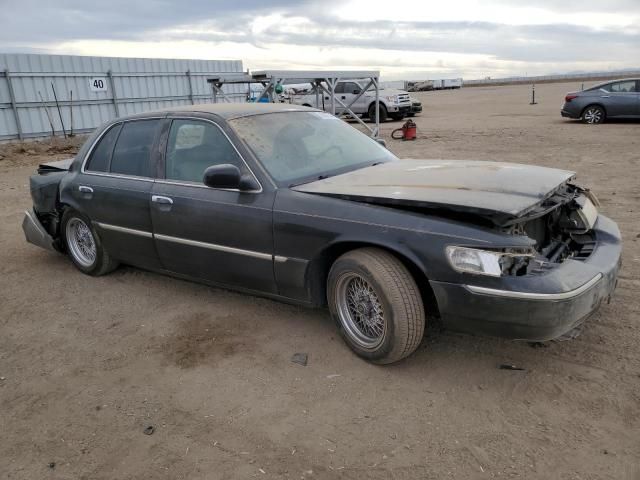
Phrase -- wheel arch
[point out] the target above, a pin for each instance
(319, 266)
(594, 104)
(381, 102)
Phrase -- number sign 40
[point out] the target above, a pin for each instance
(98, 84)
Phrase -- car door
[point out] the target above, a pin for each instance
(113, 188)
(350, 91)
(620, 98)
(223, 236)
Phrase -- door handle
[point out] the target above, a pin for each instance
(605, 96)
(85, 192)
(161, 200)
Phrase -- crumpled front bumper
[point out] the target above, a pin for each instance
(531, 310)
(35, 232)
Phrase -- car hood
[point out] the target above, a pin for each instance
(500, 192)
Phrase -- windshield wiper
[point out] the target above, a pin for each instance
(319, 177)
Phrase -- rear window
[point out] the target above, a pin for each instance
(132, 155)
(101, 155)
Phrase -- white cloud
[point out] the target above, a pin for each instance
(469, 38)
(507, 13)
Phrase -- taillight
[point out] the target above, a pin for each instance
(570, 97)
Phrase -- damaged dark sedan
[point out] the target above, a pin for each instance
(292, 203)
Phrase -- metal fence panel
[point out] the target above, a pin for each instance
(27, 84)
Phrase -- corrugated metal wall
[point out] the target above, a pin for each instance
(129, 85)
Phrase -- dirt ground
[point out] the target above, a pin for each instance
(87, 363)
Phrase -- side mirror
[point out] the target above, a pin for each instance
(228, 176)
(356, 91)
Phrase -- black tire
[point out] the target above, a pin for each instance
(372, 113)
(593, 115)
(397, 116)
(101, 263)
(396, 295)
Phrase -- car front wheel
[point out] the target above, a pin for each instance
(382, 112)
(593, 114)
(376, 304)
(83, 245)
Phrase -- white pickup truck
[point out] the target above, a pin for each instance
(393, 103)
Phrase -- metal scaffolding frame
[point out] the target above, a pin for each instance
(227, 79)
(323, 82)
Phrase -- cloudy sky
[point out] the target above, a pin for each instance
(412, 40)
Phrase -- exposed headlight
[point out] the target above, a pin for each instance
(486, 262)
(392, 98)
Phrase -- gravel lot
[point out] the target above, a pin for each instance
(87, 363)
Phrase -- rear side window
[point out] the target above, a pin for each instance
(132, 155)
(101, 155)
(628, 86)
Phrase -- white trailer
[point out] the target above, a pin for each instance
(450, 83)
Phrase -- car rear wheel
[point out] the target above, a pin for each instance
(372, 113)
(593, 114)
(83, 245)
(376, 304)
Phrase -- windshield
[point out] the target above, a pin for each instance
(296, 147)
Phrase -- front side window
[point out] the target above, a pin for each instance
(301, 146)
(352, 87)
(132, 154)
(194, 146)
(101, 155)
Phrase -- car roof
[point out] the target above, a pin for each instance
(228, 110)
(607, 82)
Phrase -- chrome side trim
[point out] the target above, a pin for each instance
(192, 243)
(213, 246)
(113, 175)
(132, 231)
(535, 296)
(202, 185)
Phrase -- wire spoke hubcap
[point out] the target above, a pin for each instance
(360, 311)
(82, 245)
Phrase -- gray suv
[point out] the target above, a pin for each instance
(613, 99)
